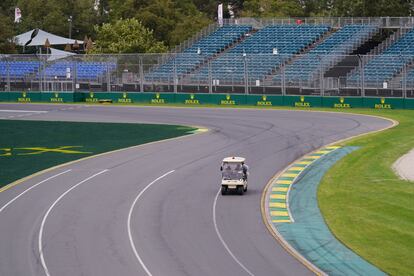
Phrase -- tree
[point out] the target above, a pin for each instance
(172, 22)
(362, 8)
(7, 46)
(273, 8)
(126, 36)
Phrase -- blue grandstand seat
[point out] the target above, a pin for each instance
(18, 69)
(199, 52)
(256, 52)
(341, 42)
(388, 64)
(84, 70)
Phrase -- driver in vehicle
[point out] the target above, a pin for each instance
(245, 170)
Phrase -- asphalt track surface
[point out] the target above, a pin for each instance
(149, 210)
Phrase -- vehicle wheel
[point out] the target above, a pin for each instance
(240, 190)
(245, 189)
(223, 190)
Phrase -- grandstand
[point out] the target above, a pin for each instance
(263, 52)
(184, 63)
(278, 56)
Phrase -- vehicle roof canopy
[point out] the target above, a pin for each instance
(234, 159)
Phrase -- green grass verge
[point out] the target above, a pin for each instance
(93, 138)
(366, 205)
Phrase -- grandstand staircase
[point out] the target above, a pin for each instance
(350, 61)
(371, 47)
(379, 48)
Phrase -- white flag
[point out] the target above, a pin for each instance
(220, 14)
(17, 15)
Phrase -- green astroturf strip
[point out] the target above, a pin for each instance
(283, 185)
(27, 147)
(286, 178)
(309, 234)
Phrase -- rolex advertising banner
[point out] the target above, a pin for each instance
(342, 102)
(384, 103)
(24, 97)
(264, 100)
(158, 98)
(198, 99)
(228, 99)
(192, 98)
(303, 101)
(57, 97)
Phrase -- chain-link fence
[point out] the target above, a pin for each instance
(380, 75)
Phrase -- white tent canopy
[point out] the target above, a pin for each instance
(40, 39)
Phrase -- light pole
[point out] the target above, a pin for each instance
(70, 26)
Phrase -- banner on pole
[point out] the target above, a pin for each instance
(17, 15)
(220, 14)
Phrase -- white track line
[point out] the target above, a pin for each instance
(222, 240)
(23, 111)
(42, 258)
(131, 241)
(32, 187)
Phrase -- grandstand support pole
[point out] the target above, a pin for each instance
(361, 69)
(246, 76)
(404, 78)
(282, 68)
(141, 74)
(108, 78)
(74, 75)
(210, 78)
(8, 76)
(175, 77)
(42, 76)
(321, 82)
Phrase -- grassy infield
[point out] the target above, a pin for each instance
(93, 138)
(366, 206)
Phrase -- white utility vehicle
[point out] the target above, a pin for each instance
(234, 175)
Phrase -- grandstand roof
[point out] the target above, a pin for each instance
(40, 38)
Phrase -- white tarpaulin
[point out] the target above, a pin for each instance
(40, 39)
(57, 54)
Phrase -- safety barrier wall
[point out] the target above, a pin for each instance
(208, 99)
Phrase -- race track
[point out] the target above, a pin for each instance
(155, 209)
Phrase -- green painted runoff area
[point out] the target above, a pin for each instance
(27, 147)
(208, 99)
(366, 205)
(309, 234)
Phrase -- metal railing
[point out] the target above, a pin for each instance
(247, 74)
(335, 22)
